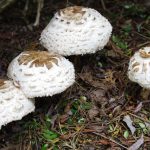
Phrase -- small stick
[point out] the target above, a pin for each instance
(143, 44)
(40, 6)
(103, 5)
(139, 118)
(110, 139)
(142, 35)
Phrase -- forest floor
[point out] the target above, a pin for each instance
(92, 114)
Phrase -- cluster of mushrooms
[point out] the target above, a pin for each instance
(73, 30)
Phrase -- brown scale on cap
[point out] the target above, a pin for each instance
(136, 70)
(72, 13)
(39, 59)
(2, 84)
(144, 54)
(135, 64)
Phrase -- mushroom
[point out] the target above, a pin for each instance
(40, 73)
(76, 30)
(13, 103)
(139, 69)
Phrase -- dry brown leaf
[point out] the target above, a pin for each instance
(88, 78)
(98, 95)
(109, 77)
(63, 118)
(97, 128)
(67, 108)
(66, 136)
(93, 112)
(104, 142)
(117, 110)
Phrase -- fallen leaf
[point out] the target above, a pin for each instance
(93, 112)
(88, 78)
(138, 108)
(63, 118)
(66, 136)
(98, 95)
(147, 124)
(126, 134)
(67, 108)
(104, 142)
(142, 125)
(137, 144)
(97, 128)
(117, 110)
(128, 121)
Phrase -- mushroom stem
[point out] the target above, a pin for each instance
(76, 60)
(145, 94)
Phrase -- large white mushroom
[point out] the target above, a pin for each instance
(76, 30)
(139, 68)
(13, 103)
(40, 73)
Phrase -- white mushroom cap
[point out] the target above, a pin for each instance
(139, 67)
(76, 30)
(13, 103)
(40, 73)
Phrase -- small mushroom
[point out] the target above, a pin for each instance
(40, 73)
(139, 69)
(76, 30)
(13, 103)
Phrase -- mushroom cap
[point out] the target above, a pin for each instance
(40, 73)
(139, 67)
(13, 103)
(76, 30)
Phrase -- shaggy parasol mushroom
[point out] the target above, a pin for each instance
(76, 30)
(40, 73)
(13, 103)
(139, 70)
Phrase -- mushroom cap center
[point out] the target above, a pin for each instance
(38, 59)
(72, 13)
(144, 54)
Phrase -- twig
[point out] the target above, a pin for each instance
(142, 35)
(146, 101)
(103, 4)
(110, 139)
(143, 44)
(139, 118)
(5, 3)
(39, 8)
